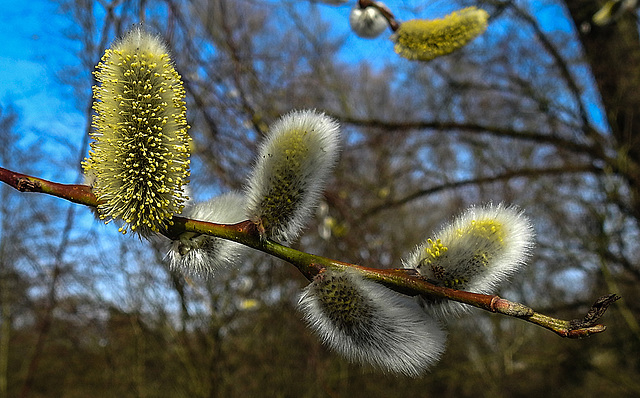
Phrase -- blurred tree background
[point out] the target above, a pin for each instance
(542, 111)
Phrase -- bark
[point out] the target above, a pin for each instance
(613, 53)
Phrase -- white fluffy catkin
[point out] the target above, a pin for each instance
(367, 22)
(369, 323)
(202, 254)
(289, 176)
(476, 252)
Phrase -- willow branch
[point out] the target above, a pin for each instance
(404, 281)
(80, 194)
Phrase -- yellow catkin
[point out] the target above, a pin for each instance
(476, 252)
(424, 40)
(139, 156)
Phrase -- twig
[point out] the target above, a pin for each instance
(80, 194)
(401, 280)
(506, 176)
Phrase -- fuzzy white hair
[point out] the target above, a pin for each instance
(476, 252)
(203, 254)
(367, 22)
(289, 175)
(369, 323)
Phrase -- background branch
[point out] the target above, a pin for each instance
(446, 126)
(482, 180)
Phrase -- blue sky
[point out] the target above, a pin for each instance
(32, 51)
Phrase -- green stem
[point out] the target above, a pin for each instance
(403, 281)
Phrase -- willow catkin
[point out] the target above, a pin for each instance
(367, 22)
(371, 324)
(289, 175)
(139, 157)
(424, 40)
(204, 255)
(476, 252)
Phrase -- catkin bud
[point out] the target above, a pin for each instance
(368, 22)
(139, 157)
(369, 323)
(203, 254)
(424, 40)
(288, 178)
(476, 252)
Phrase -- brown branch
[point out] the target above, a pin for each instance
(80, 194)
(619, 163)
(560, 62)
(481, 180)
(408, 283)
(627, 167)
(401, 280)
(525, 135)
(600, 53)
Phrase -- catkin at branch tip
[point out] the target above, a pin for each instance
(424, 40)
(476, 252)
(371, 324)
(290, 173)
(139, 157)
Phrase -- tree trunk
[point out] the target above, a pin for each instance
(613, 52)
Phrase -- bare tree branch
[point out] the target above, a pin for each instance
(534, 172)
(525, 135)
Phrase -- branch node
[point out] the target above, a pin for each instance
(26, 185)
(251, 228)
(510, 308)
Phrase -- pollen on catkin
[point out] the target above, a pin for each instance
(371, 324)
(139, 157)
(289, 175)
(424, 40)
(478, 251)
(203, 255)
